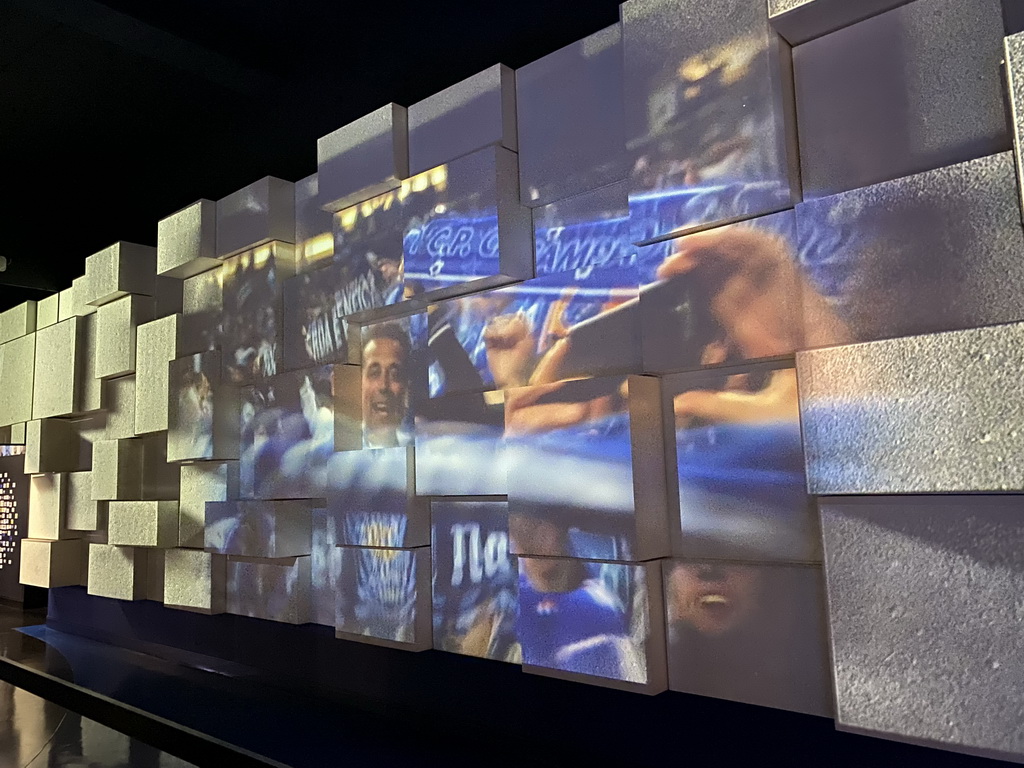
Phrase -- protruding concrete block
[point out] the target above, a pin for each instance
(260, 213)
(314, 232)
(801, 20)
(117, 470)
(17, 434)
(17, 376)
(143, 524)
(47, 508)
(202, 308)
(50, 564)
(275, 590)
(90, 388)
(121, 269)
(84, 513)
(47, 311)
(117, 323)
(51, 445)
(56, 385)
(121, 573)
(267, 529)
(470, 115)
(18, 321)
(195, 580)
(202, 482)
(186, 241)
(66, 307)
(364, 158)
(157, 344)
(119, 408)
(203, 420)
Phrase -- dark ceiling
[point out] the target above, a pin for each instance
(114, 114)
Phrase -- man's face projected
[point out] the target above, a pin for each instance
(385, 385)
(710, 597)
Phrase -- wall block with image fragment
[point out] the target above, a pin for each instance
(202, 482)
(750, 632)
(709, 125)
(363, 159)
(470, 115)
(738, 466)
(927, 414)
(186, 241)
(202, 306)
(924, 610)
(267, 529)
(203, 421)
(570, 118)
(475, 580)
(314, 234)
(394, 369)
(916, 88)
(595, 622)
(260, 213)
(324, 564)
(383, 597)
(271, 589)
(586, 469)
(251, 319)
(585, 231)
(939, 251)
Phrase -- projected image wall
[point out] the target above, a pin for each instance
(572, 368)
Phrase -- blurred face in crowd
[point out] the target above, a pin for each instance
(713, 598)
(385, 385)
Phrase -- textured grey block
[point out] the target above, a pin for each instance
(195, 580)
(119, 408)
(116, 328)
(142, 524)
(203, 413)
(121, 573)
(275, 590)
(709, 120)
(47, 507)
(314, 232)
(121, 269)
(200, 483)
(926, 414)
(383, 597)
(157, 344)
(365, 158)
(18, 321)
(17, 376)
(938, 251)
(51, 445)
(629, 655)
(90, 388)
(570, 119)
(168, 298)
(117, 469)
(83, 512)
(47, 310)
(56, 385)
(916, 88)
(50, 564)
(66, 307)
(267, 529)
(260, 213)
(749, 632)
(202, 306)
(186, 241)
(925, 615)
(627, 494)
(801, 20)
(464, 117)
(1013, 57)
(17, 434)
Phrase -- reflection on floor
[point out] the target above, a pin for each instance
(36, 733)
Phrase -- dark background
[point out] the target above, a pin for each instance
(117, 113)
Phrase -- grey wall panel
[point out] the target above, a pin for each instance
(268, 529)
(275, 590)
(464, 117)
(260, 213)
(801, 20)
(749, 632)
(90, 387)
(314, 234)
(119, 408)
(47, 310)
(48, 507)
(203, 413)
(708, 109)
(186, 241)
(18, 321)
(51, 445)
(938, 251)
(202, 305)
(119, 572)
(910, 90)
(116, 327)
(17, 376)
(157, 344)
(142, 524)
(83, 512)
(383, 597)
(1013, 57)
(202, 482)
(926, 414)
(117, 469)
(56, 387)
(118, 270)
(924, 604)
(625, 599)
(52, 563)
(570, 119)
(577, 491)
(195, 580)
(66, 307)
(364, 158)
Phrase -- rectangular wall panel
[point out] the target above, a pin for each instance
(195, 580)
(51, 445)
(157, 344)
(314, 235)
(83, 512)
(203, 413)
(117, 469)
(90, 387)
(47, 311)
(116, 328)
(585, 231)
(186, 241)
(267, 529)
(924, 610)
(801, 20)
(48, 507)
(143, 524)
(121, 573)
(260, 213)
(926, 414)
(51, 564)
(116, 271)
(202, 482)
(17, 376)
(56, 385)
(275, 590)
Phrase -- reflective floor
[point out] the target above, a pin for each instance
(36, 733)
